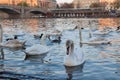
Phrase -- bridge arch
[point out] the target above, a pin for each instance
(36, 12)
(10, 10)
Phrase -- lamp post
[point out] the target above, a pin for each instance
(8, 2)
(22, 10)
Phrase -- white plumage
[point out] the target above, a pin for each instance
(37, 50)
(12, 44)
(74, 57)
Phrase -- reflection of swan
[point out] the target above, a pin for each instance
(74, 57)
(2, 53)
(38, 49)
(70, 70)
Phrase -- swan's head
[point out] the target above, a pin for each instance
(41, 35)
(15, 37)
(69, 46)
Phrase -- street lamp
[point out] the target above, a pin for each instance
(22, 10)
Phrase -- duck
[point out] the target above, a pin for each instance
(55, 40)
(73, 55)
(38, 36)
(118, 29)
(15, 37)
(37, 49)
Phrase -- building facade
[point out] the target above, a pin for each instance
(83, 3)
(50, 4)
(32, 3)
(87, 3)
(109, 3)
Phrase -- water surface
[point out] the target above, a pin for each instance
(102, 61)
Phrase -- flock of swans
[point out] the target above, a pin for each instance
(74, 55)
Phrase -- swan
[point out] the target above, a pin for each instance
(73, 55)
(97, 41)
(93, 41)
(54, 40)
(14, 43)
(98, 32)
(38, 36)
(37, 49)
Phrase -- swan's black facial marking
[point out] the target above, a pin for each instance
(68, 50)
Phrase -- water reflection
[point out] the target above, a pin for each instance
(109, 22)
(101, 59)
(2, 53)
(71, 70)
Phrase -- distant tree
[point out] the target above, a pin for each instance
(23, 4)
(66, 5)
(95, 5)
(36, 6)
(104, 4)
(116, 4)
(57, 6)
(99, 4)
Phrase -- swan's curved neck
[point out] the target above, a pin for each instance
(42, 41)
(1, 34)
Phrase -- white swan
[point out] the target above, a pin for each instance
(37, 49)
(10, 43)
(74, 56)
(97, 41)
(94, 40)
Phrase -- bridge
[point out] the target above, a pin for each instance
(20, 11)
(28, 12)
(80, 13)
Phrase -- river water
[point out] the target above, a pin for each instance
(102, 62)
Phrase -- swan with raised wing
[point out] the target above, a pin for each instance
(74, 55)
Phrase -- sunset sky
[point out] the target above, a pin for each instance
(62, 1)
